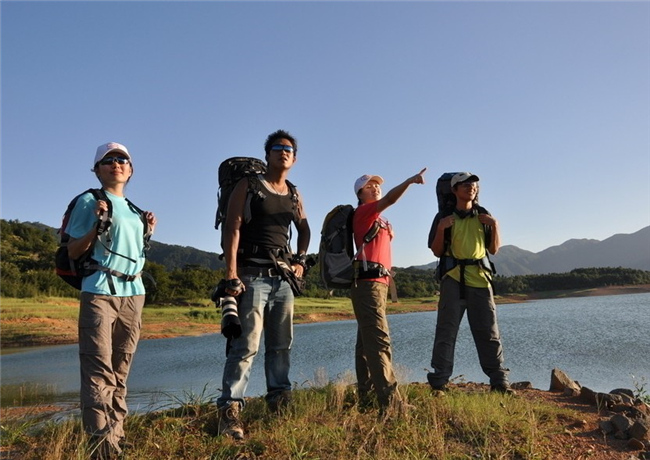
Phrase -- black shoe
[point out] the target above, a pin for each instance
(103, 450)
(503, 388)
(365, 400)
(435, 384)
(279, 401)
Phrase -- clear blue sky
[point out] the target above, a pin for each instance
(548, 102)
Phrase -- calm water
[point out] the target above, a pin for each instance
(600, 341)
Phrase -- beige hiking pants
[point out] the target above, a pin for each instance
(109, 329)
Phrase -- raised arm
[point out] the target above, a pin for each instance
(396, 192)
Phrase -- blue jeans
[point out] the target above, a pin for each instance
(266, 305)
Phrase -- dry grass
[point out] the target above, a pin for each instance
(325, 423)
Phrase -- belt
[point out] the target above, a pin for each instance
(260, 272)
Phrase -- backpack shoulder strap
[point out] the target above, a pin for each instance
(100, 194)
(295, 202)
(146, 232)
(254, 190)
(447, 234)
(487, 230)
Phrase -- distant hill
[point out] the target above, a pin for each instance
(173, 256)
(621, 250)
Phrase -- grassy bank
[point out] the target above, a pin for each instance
(53, 321)
(326, 423)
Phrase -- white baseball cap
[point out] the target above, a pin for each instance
(463, 177)
(363, 180)
(105, 149)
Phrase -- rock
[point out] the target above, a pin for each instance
(606, 426)
(635, 444)
(587, 395)
(560, 381)
(621, 422)
(620, 408)
(521, 386)
(642, 407)
(640, 430)
(572, 392)
(623, 392)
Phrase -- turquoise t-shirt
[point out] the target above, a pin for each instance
(123, 237)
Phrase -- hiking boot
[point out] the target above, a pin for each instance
(103, 450)
(503, 388)
(279, 401)
(396, 408)
(229, 421)
(435, 384)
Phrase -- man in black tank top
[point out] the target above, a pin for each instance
(265, 299)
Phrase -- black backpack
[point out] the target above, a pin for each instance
(336, 250)
(73, 271)
(231, 171)
(446, 198)
(446, 206)
(234, 169)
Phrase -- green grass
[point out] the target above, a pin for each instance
(39, 307)
(324, 423)
(52, 320)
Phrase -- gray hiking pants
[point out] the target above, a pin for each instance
(109, 330)
(482, 317)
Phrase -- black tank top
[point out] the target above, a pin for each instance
(270, 221)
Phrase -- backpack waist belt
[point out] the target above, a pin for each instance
(369, 270)
(114, 273)
(483, 263)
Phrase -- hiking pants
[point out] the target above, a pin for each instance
(373, 356)
(265, 306)
(482, 317)
(109, 329)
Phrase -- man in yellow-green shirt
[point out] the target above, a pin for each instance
(462, 237)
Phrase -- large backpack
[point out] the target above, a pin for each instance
(73, 271)
(336, 250)
(446, 206)
(446, 198)
(234, 169)
(231, 171)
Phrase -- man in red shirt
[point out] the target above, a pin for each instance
(369, 291)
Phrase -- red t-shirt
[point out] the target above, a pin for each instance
(378, 250)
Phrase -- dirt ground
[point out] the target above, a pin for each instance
(583, 440)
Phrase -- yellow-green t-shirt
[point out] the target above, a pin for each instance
(468, 242)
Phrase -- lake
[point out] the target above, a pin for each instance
(603, 342)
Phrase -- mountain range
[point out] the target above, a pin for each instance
(621, 250)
